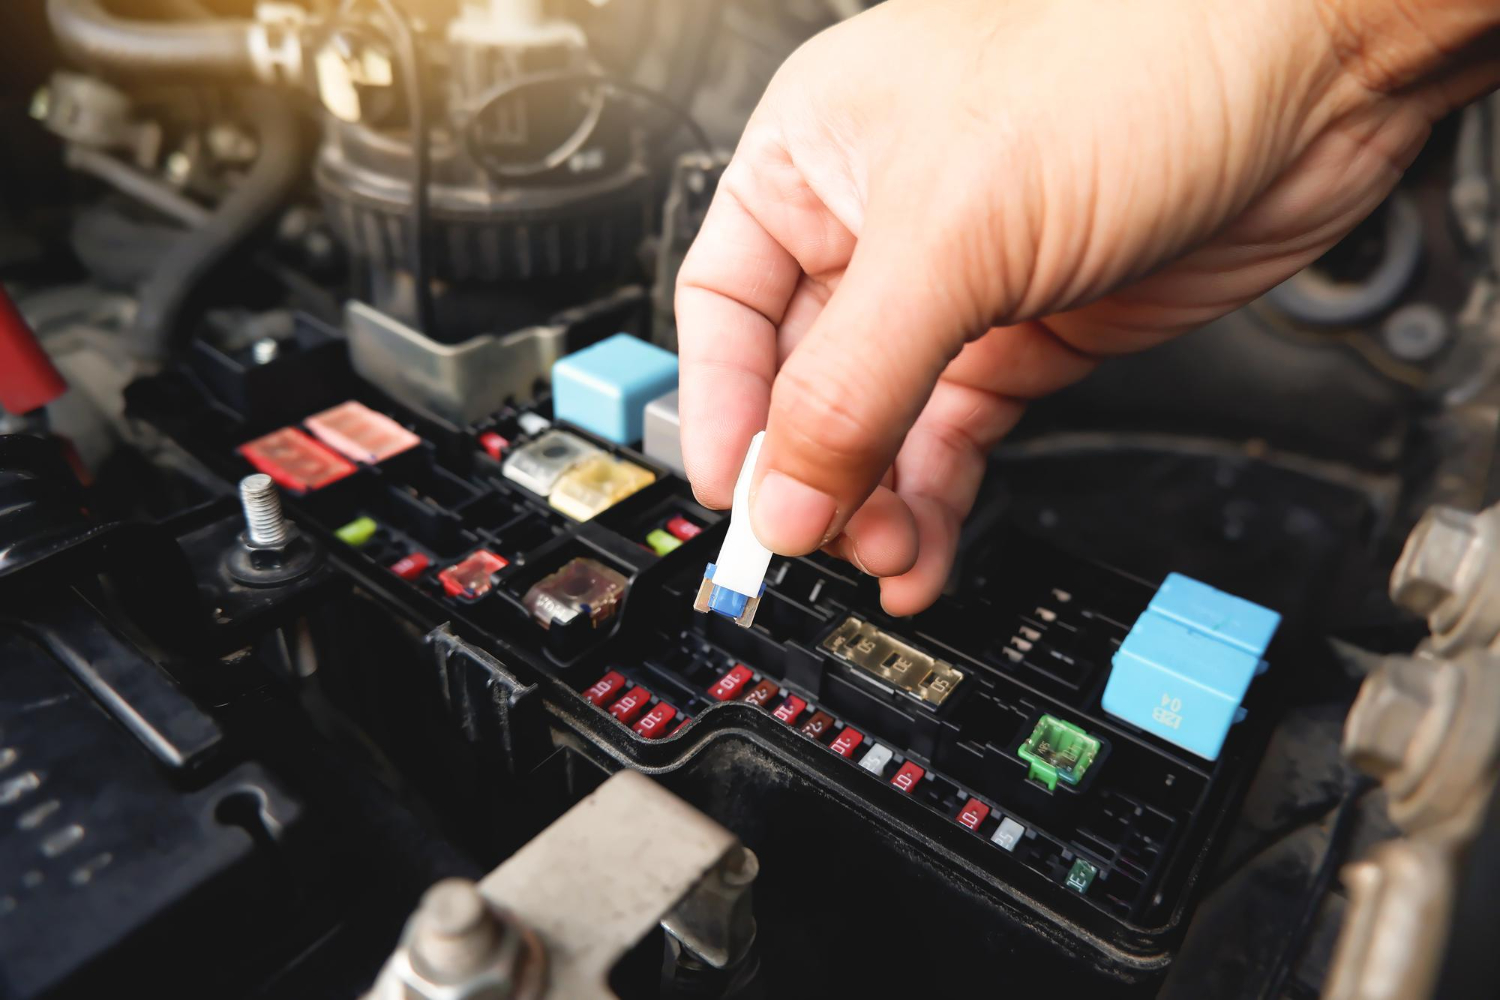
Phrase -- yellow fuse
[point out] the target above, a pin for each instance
(597, 484)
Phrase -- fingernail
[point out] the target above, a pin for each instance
(854, 558)
(790, 516)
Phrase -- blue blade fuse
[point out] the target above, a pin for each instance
(733, 585)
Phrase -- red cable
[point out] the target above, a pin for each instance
(27, 379)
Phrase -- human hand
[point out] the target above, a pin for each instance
(944, 208)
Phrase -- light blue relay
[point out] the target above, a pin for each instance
(605, 388)
(1183, 670)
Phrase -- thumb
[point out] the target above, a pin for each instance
(846, 396)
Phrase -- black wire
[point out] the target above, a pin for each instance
(608, 85)
(1338, 835)
(403, 39)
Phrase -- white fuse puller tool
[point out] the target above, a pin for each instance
(732, 586)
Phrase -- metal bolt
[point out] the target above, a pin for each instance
(264, 524)
(265, 350)
(1470, 198)
(1393, 702)
(179, 167)
(1432, 570)
(1415, 332)
(456, 933)
(739, 867)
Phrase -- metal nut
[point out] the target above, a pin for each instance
(1386, 718)
(456, 934)
(1437, 563)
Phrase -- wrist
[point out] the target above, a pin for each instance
(1439, 49)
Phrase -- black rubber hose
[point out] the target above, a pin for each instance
(271, 181)
(89, 33)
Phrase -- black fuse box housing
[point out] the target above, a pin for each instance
(1032, 633)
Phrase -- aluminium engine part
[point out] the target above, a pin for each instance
(1429, 730)
(461, 382)
(267, 48)
(88, 112)
(493, 233)
(1449, 572)
(458, 946)
(1427, 727)
(1400, 900)
(572, 900)
(457, 382)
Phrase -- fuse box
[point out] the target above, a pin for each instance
(975, 729)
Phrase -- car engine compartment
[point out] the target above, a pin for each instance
(349, 627)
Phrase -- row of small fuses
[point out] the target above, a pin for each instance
(577, 478)
(582, 587)
(628, 705)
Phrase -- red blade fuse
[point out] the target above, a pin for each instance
(973, 813)
(788, 710)
(411, 566)
(605, 688)
(628, 707)
(28, 381)
(729, 685)
(654, 723)
(846, 742)
(907, 777)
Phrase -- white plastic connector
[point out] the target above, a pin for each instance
(734, 583)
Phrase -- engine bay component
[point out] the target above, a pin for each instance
(1183, 670)
(446, 333)
(295, 461)
(893, 661)
(663, 433)
(1058, 751)
(733, 585)
(1448, 573)
(596, 484)
(538, 465)
(495, 226)
(583, 587)
(470, 578)
(699, 891)
(359, 433)
(28, 379)
(1081, 876)
(606, 387)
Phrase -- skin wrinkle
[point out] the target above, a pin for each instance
(1377, 64)
(838, 431)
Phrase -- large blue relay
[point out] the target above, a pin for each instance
(1182, 672)
(605, 388)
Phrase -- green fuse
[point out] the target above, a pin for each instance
(1058, 750)
(358, 531)
(662, 542)
(1081, 877)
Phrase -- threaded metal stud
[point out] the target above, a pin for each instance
(264, 523)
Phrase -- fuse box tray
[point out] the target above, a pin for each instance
(920, 725)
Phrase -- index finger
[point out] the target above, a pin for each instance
(732, 291)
